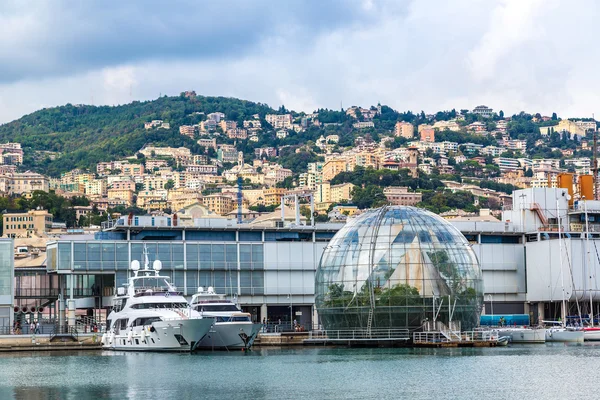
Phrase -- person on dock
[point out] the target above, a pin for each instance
(37, 327)
(31, 327)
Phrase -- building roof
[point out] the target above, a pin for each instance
(269, 218)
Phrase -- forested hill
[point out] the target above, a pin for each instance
(85, 135)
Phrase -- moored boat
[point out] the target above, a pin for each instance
(523, 335)
(151, 315)
(233, 329)
(591, 333)
(560, 334)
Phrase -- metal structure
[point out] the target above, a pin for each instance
(297, 197)
(398, 267)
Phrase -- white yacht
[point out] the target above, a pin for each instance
(523, 334)
(150, 315)
(233, 329)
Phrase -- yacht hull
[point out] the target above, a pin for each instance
(171, 335)
(563, 335)
(524, 335)
(230, 335)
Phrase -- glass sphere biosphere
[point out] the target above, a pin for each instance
(398, 267)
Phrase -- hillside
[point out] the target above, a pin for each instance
(85, 135)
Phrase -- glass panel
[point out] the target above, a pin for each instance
(122, 251)
(205, 256)
(177, 255)
(94, 256)
(192, 281)
(64, 256)
(178, 280)
(245, 236)
(257, 256)
(79, 256)
(245, 253)
(192, 256)
(245, 282)
(258, 282)
(218, 256)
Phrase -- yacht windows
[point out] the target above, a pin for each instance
(233, 319)
(145, 321)
(145, 306)
(216, 307)
(119, 304)
(120, 324)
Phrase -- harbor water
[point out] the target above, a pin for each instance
(518, 371)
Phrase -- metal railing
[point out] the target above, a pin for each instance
(469, 336)
(65, 331)
(36, 293)
(360, 334)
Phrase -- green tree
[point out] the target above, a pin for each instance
(170, 184)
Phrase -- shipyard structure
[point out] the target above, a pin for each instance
(545, 248)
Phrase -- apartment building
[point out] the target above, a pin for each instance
(23, 183)
(400, 196)
(219, 203)
(21, 225)
(404, 129)
(273, 196)
(121, 194)
(333, 167)
(283, 121)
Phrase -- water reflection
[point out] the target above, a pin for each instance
(302, 373)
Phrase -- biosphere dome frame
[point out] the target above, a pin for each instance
(396, 267)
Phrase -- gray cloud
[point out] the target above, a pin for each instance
(433, 54)
(58, 38)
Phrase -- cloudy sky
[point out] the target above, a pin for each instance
(534, 55)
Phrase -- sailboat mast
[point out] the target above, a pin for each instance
(595, 166)
(588, 263)
(562, 279)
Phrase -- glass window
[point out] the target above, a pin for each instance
(64, 256)
(108, 256)
(257, 254)
(218, 256)
(177, 255)
(250, 236)
(258, 282)
(122, 256)
(205, 279)
(192, 281)
(94, 256)
(178, 279)
(245, 253)
(164, 255)
(205, 254)
(245, 282)
(191, 256)
(80, 255)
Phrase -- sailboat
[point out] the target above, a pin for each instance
(560, 333)
(591, 332)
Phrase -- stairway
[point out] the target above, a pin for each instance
(370, 321)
